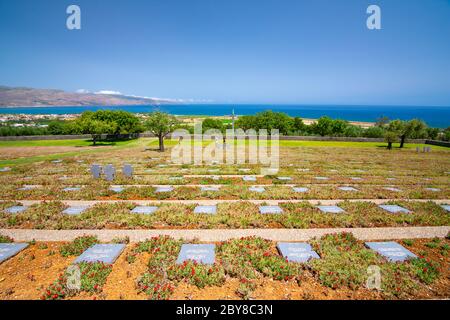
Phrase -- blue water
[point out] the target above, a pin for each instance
(434, 116)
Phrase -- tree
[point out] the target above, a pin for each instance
(374, 132)
(432, 133)
(298, 125)
(210, 123)
(407, 129)
(390, 137)
(107, 122)
(322, 126)
(161, 124)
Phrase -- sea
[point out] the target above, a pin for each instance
(438, 117)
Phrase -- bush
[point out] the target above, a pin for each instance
(77, 246)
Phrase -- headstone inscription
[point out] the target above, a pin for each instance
(106, 253)
(331, 209)
(127, 170)
(297, 251)
(201, 253)
(75, 210)
(144, 209)
(300, 189)
(206, 209)
(391, 250)
(256, 189)
(96, 171)
(16, 209)
(109, 172)
(270, 210)
(393, 208)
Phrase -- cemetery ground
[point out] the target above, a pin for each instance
(354, 180)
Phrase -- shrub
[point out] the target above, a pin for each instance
(77, 246)
(5, 239)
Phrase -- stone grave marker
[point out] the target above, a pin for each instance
(284, 178)
(393, 208)
(5, 169)
(393, 189)
(109, 172)
(215, 177)
(256, 189)
(71, 189)
(297, 251)
(417, 149)
(57, 161)
(161, 189)
(331, 209)
(96, 171)
(391, 179)
(127, 170)
(75, 210)
(213, 170)
(321, 178)
(201, 253)
(175, 178)
(116, 189)
(249, 178)
(244, 169)
(209, 188)
(347, 188)
(303, 169)
(9, 250)
(433, 189)
(162, 165)
(27, 187)
(106, 253)
(206, 209)
(270, 210)
(391, 250)
(144, 209)
(446, 207)
(356, 178)
(300, 189)
(16, 209)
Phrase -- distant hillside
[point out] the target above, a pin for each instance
(29, 97)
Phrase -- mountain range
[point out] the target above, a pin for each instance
(30, 97)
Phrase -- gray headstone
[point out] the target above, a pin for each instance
(75, 210)
(70, 189)
(321, 178)
(209, 188)
(27, 188)
(433, 189)
(127, 170)
(249, 178)
(8, 250)
(303, 169)
(57, 161)
(391, 179)
(348, 189)
(284, 178)
(393, 208)
(162, 165)
(297, 251)
(116, 189)
(201, 253)
(244, 170)
(417, 149)
(144, 209)
(106, 253)
(175, 178)
(109, 172)
(206, 209)
(331, 209)
(356, 178)
(392, 189)
(5, 169)
(213, 170)
(300, 189)
(161, 189)
(446, 207)
(96, 171)
(391, 250)
(256, 189)
(215, 177)
(270, 210)
(16, 209)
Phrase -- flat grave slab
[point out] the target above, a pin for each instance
(162, 165)
(5, 169)
(300, 189)
(106, 253)
(163, 189)
(16, 209)
(57, 161)
(244, 169)
(356, 178)
(446, 207)
(391, 179)
(9, 250)
(392, 189)
(393, 208)
(270, 210)
(391, 250)
(284, 178)
(297, 251)
(210, 188)
(303, 169)
(27, 188)
(256, 189)
(201, 253)
(321, 178)
(347, 189)
(116, 189)
(333, 170)
(215, 177)
(75, 210)
(331, 209)
(175, 178)
(213, 170)
(433, 189)
(206, 209)
(144, 209)
(249, 178)
(70, 189)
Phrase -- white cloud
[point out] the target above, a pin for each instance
(82, 91)
(108, 92)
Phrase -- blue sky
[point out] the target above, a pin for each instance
(233, 51)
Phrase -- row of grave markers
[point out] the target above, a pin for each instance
(212, 209)
(110, 171)
(299, 252)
